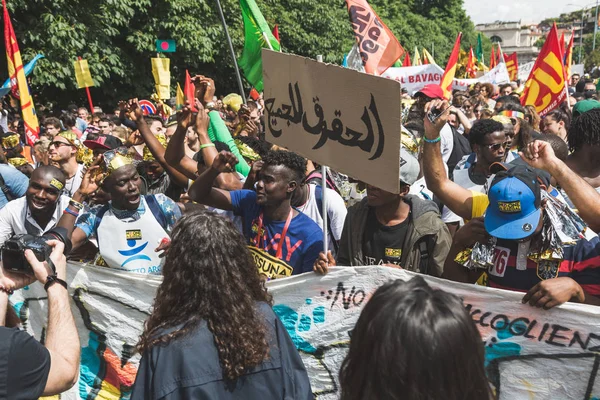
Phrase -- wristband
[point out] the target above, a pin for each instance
(76, 204)
(437, 139)
(203, 146)
(52, 279)
(73, 213)
(210, 105)
(5, 290)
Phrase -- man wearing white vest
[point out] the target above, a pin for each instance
(132, 227)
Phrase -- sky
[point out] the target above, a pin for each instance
(485, 11)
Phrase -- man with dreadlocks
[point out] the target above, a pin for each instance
(584, 142)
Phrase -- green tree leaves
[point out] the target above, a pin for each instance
(117, 38)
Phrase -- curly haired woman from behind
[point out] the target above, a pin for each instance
(212, 333)
(414, 343)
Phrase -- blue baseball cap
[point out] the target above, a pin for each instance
(515, 204)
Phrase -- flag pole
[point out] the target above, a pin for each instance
(89, 95)
(235, 64)
(324, 197)
(268, 41)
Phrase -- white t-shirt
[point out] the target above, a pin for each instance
(16, 219)
(336, 210)
(72, 184)
(447, 142)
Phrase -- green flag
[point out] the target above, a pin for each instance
(255, 29)
(479, 49)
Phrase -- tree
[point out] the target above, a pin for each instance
(117, 38)
(540, 42)
(592, 60)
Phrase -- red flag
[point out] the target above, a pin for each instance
(569, 57)
(562, 44)
(448, 77)
(189, 90)
(512, 66)
(378, 46)
(19, 87)
(545, 88)
(406, 62)
(276, 33)
(471, 64)
(493, 59)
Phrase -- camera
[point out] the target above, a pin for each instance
(13, 250)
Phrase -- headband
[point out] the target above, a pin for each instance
(512, 114)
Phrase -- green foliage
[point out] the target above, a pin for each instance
(540, 42)
(117, 38)
(592, 60)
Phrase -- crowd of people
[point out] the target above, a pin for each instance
(201, 198)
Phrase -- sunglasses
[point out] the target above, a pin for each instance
(58, 144)
(498, 146)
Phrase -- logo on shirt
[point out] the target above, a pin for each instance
(547, 269)
(500, 262)
(509, 207)
(268, 265)
(395, 253)
(134, 234)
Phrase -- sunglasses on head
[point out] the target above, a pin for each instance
(58, 144)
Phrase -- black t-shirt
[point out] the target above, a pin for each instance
(383, 244)
(24, 365)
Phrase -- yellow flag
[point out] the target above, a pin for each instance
(180, 99)
(428, 57)
(417, 58)
(82, 74)
(162, 77)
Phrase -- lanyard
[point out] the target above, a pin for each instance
(279, 252)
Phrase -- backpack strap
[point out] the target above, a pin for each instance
(156, 211)
(5, 189)
(426, 250)
(319, 199)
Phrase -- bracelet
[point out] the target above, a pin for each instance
(73, 213)
(203, 146)
(437, 139)
(7, 291)
(210, 105)
(76, 204)
(52, 279)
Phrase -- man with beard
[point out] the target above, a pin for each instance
(131, 229)
(63, 154)
(40, 209)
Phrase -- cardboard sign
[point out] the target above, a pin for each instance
(341, 118)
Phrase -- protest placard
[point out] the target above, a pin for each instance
(335, 116)
(529, 353)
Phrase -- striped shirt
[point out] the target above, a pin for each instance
(513, 270)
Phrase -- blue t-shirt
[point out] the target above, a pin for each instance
(15, 181)
(302, 243)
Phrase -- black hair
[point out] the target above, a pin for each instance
(290, 160)
(220, 146)
(506, 100)
(483, 127)
(104, 118)
(408, 343)
(152, 118)
(559, 115)
(55, 122)
(261, 147)
(561, 150)
(67, 120)
(585, 130)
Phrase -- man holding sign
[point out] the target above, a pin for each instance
(282, 240)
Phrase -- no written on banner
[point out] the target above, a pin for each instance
(341, 118)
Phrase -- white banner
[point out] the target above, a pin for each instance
(530, 353)
(416, 77)
(525, 71)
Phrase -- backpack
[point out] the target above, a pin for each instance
(9, 196)
(461, 147)
(319, 199)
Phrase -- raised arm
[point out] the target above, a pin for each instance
(157, 149)
(175, 152)
(585, 198)
(203, 190)
(455, 197)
